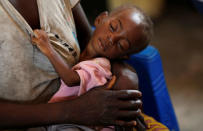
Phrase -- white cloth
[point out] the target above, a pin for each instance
(56, 21)
(25, 73)
(73, 2)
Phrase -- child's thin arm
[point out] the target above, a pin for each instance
(70, 77)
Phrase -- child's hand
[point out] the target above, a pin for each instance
(111, 83)
(41, 40)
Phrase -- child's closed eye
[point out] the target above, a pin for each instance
(123, 44)
(114, 25)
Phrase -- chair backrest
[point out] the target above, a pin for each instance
(156, 99)
(199, 5)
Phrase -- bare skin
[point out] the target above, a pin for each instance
(106, 110)
(117, 35)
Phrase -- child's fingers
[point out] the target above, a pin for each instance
(34, 40)
(36, 33)
(111, 83)
(39, 35)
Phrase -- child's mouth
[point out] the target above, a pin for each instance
(101, 45)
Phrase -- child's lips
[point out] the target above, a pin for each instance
(101, 45)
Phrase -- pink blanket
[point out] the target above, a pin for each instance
(93, 73)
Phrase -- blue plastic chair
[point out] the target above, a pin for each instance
(156, 99)
(199, 5)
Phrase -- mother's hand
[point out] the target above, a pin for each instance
(105, 107)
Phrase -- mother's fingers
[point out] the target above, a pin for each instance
(141, 118)
(128, 115)
(140, 125)
(130, 104)
(128, 94)
(124, 123)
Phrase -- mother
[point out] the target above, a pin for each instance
(27, 79)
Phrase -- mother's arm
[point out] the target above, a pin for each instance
(83, 27)
(105, 110)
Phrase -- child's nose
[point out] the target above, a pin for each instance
(113, 38)
(109, 40)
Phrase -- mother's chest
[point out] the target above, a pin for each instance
(29, 10)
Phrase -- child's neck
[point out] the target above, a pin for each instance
(87, 54)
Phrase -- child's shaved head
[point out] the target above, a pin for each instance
(126, 30)
(146, 21)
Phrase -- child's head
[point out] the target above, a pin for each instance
(124, 31)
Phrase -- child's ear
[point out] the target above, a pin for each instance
(100, 18)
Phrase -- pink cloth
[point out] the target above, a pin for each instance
(95, 72)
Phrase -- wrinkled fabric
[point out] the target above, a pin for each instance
(68, 127)
(62, 127)
(26, 75)
(153, 125)
(60, 25)
(93, 73)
